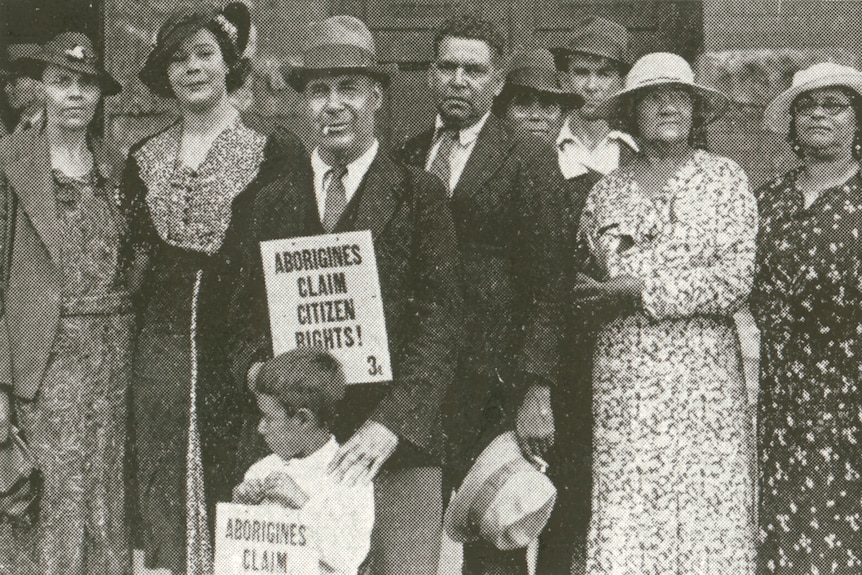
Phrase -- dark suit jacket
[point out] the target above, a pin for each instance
(32, 303)
(417, 260)
(504, 206)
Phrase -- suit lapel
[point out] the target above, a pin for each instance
(417, 155)
(30, 176)
(376, 199)
(491, 147)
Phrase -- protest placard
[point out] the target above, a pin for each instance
(324, 291)
(254, 539)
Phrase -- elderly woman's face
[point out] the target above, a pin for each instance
(197, 71)
(535, 113)
(824, 119)
(664, 114)
(70, 98)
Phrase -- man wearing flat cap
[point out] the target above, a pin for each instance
(391, 433)
(504, 188)
(595, 61)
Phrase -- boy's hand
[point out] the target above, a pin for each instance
(250, 492)
(282, 489)
(361, 457)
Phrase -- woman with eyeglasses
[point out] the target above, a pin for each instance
(807, 301)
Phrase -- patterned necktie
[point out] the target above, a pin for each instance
(441, 167)
(336, 198)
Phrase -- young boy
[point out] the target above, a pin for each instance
(297, 393)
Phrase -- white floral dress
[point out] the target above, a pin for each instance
(672, 447)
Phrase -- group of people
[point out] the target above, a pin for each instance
(559, 255)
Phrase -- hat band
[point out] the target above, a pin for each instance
(537, 79)
(333, 56)
(489, 489)
(660, 80)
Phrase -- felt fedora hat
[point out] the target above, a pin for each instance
(72, 51)
(777, 116)
(534, 71)
(234, 20)
(337, 44)
(504, 499)
(664, 69)
(599, 37)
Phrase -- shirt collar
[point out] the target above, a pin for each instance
(315, 461)
(356, 168)
(466, 135)
(566, 135)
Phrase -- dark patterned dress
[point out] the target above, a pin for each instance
(186, 410)
(76, 427)
(807, 302)
(672, 442)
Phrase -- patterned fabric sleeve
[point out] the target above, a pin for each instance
(717, 277)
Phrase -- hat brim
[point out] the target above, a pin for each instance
(715, 104)
(561, 52)
(777, 116)
(496, 454)
(567, 100)
(34, 67)
(298, 76)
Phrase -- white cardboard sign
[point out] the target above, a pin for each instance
(324, 291)
(254, 539)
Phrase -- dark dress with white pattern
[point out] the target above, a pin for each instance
(187, 412)
(807, 301)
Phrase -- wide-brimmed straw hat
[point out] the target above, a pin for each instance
(340, 44)
(777, 116)
(72, 51)
(534, 71)
(234, 20)
(599, 37)
(664, 69)
(504, 499)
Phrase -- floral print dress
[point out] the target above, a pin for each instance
(807, 301)
(672, 447)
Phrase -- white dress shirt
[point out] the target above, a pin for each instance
(339, 518)
(576, 158)
(356, 171)
(460, 152)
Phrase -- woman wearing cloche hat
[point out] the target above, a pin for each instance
(67, 319)
(807, 299)
(189, 191)
(669, 241)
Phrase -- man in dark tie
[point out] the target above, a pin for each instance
(391, 433)
(505, 191)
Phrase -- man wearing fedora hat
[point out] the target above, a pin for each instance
(504, 190)
(390, 433)
(595, 61)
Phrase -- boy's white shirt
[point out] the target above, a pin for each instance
(340, 518)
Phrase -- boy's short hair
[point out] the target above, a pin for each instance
(304, 378)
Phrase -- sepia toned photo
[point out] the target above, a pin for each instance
(431, 287)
